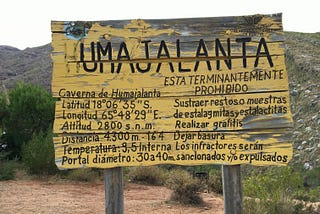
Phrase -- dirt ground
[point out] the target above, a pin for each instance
(39, 196)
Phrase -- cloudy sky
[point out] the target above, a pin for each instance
(26, 23)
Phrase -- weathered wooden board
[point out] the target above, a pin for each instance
(173, 48)
(147, 81)
(124, 148)
(238, 80)
(168, 114)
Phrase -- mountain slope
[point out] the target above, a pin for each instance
(31, 65)
(303, 65)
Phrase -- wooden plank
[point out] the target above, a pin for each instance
(139, 34)
(215, 113)
(175, 48)
(114, 191)
(232, 189)
(116, 149)
(171, 83)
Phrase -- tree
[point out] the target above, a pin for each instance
(38, 154)
(3, 112)
(30, 110)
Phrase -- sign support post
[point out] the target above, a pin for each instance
(232, 189)
(113, 191)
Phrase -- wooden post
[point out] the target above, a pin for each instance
(113, 191)
(232, 189)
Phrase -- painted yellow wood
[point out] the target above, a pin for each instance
(129, 149)
(168, 114)
(202, 82)
(144, 92)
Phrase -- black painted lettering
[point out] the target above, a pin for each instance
(163, 47)
(85, 67)
(146, 51)
(265, 53)
(107, 51)
(220, 48)
(179, 55)
(126, 56)
(202, 52)
(244, 54)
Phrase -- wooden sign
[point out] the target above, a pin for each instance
(176, 91)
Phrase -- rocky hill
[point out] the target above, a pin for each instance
(303, 64)
(31, 65)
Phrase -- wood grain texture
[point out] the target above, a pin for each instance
(147, 88)
(247, 111)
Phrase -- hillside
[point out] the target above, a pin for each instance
(31, 65)
(303, 64)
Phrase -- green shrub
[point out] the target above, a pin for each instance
(84, 174)
(314, 194)
(272, 183)
(38, 154)
(253, 206)
(152, 175)
(8, 169)
(274, 191)
(215, 182)
(283, 205)
(185, 187)
(30, 110)
(312, 178)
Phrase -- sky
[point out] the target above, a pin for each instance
(26, 23)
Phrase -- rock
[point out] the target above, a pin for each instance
(307, 166)
(296, 133)
(308, 129)
(309, 149)
(294, 92)
(304, 142)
